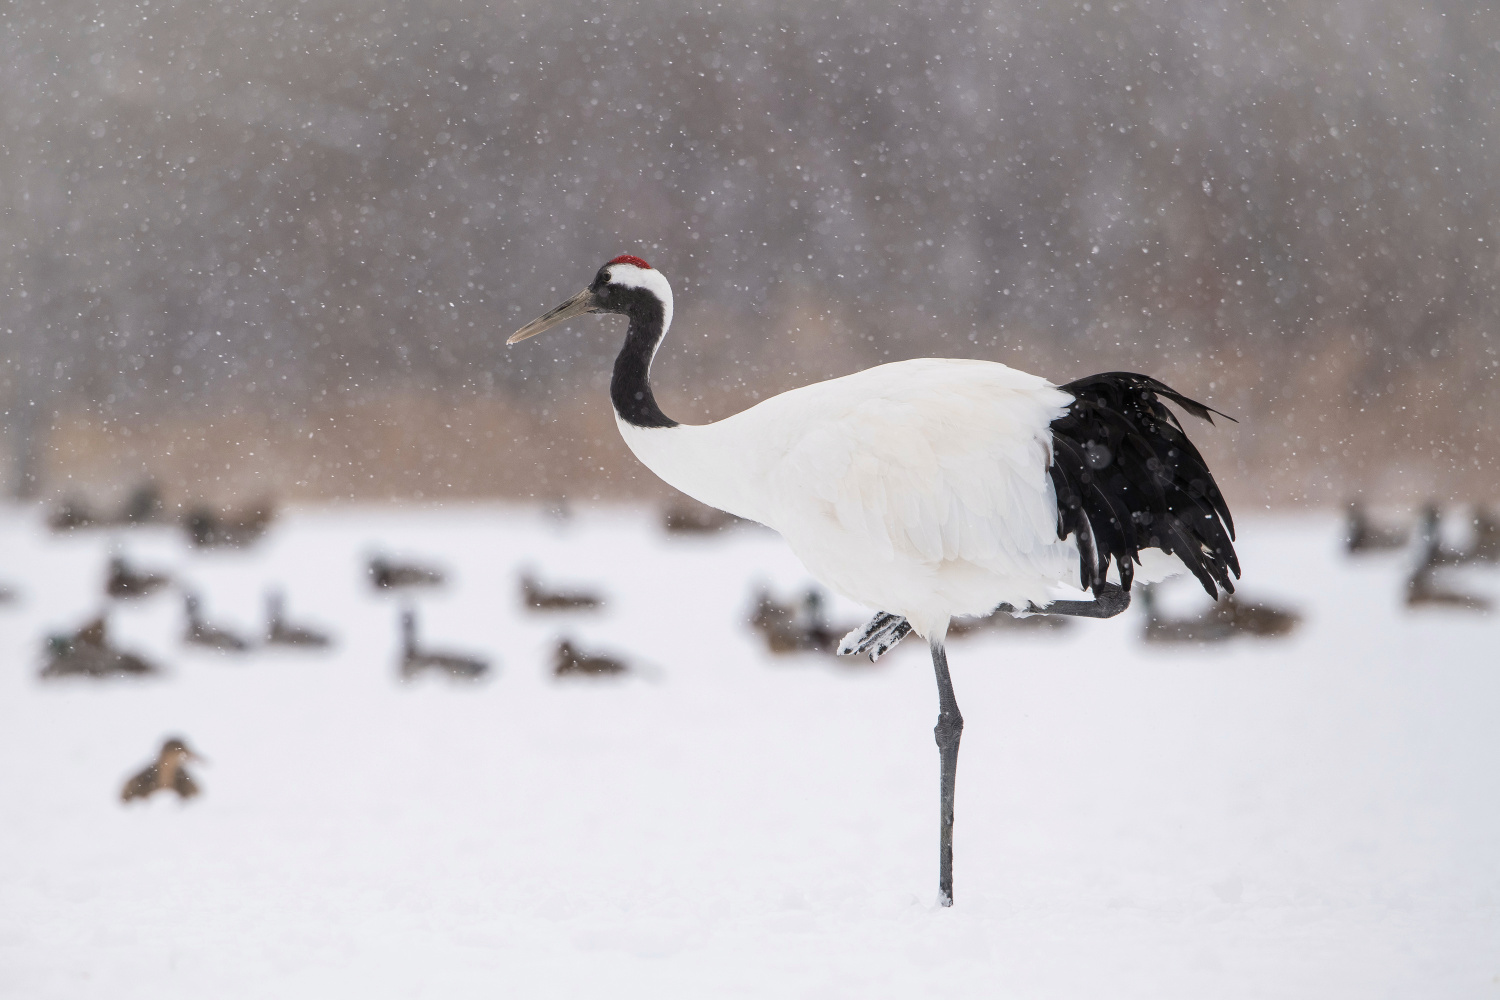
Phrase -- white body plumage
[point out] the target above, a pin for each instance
(919, 488)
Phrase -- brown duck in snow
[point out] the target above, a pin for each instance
(124, 581)
(415, 660)
(1361, 535)
(143, 506)
(70, 515)
(1206, 627)
(802, 627)
(539, 598)
(1434, 552)
(1486, 537)
(208, 529)
(1249, 618)
(568, 661)
(1425, 587)
(386, 574)
(683, 518)
(167, 773)
(201, 633)
(88, 653)
(280, 633)
(1228, 617)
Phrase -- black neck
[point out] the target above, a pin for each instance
(630, 389)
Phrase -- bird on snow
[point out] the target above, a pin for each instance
(935, 488)
(795, 628)
(1229, 617)
(1361, 535)
(88, 653)
(166, 773)
(536, 597)
(415, 659)
(569, 661)
(387, 574)
(126, 581)
(200, 633)
(279, 632)
(208, 529)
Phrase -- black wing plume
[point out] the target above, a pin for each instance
(1127, 478)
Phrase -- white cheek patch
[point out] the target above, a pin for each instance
(630, 276)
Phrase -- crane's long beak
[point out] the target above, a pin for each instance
(579, 304)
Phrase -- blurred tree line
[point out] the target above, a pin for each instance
(262, 246)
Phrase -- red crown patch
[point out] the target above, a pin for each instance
(626, 258)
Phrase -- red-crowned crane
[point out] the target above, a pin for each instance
(936, 488)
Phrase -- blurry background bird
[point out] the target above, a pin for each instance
(569, 661)
(281, 633)
(88, 653)
(199, 632)
(124, 581)
(416, 660)
(537, 597)
(390, 574)
(168, 773)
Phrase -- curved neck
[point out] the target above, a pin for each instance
(630, 388)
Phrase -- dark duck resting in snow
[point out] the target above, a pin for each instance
(795, 628)
(1252, 618)
(569, 661)
(1486, 536)
(1361, 535)
(539, 598)
(71, 514)
(168, 773)
(387, 574)
(88, 653)
(143, 506)
(208, 529)
(201, 633)
(1433, 550)
(1425, 588)
(691, 518)
(415, 660)
(1226, 618)
(1206, 627)
(124, 581)
(280, 633)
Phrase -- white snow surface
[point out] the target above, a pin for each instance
(1316, 817)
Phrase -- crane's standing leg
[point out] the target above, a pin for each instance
(949, 728)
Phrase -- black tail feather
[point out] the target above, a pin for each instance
(1127, 478)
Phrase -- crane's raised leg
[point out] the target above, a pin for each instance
(880, 634)
(949, 728)
(1109, 600)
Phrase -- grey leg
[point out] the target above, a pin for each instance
(949, 728)
(1110, 600)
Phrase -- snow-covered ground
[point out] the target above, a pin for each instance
(1315, 817)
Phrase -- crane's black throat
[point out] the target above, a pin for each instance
(630, 388)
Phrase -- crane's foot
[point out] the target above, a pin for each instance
(875, 638)
(1109, 600)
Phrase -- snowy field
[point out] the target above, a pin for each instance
(1313, 817)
